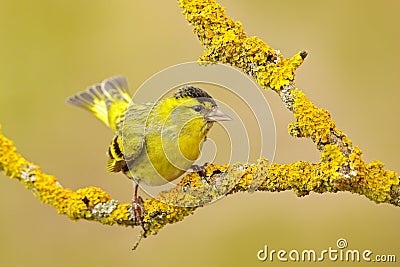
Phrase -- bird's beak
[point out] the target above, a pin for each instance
(217, 115)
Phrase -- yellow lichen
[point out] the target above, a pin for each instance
(311, 121)
(379, 182)
(279, 74)
(225, 41)
(119, 215)
(158, 214)
(11, 162)
(334, 157)
(372, 179)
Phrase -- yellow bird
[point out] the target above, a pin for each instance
(154, 143)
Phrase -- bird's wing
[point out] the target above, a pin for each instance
(129, 141)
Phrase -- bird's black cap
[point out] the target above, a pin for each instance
(194, 92)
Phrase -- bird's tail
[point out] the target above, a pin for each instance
(108, 101)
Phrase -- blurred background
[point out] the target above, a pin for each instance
(50, 49)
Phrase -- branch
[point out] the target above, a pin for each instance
(340, 167)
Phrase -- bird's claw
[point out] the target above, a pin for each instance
(137, 211)
(201, 170)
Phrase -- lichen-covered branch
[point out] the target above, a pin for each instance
(225, 41)
(340, 167)
(94, 204)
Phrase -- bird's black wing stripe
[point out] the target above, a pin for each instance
(117, 150)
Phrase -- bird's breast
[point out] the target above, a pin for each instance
(166, 157)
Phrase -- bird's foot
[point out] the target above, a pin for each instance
(201, 170)
(137, 211)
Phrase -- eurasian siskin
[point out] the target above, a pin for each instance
(154, 143)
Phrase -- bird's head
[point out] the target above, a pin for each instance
(192, 110)
(195, 109)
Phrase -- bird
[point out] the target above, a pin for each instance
(154, 142)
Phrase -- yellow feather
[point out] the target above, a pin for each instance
(108, 101)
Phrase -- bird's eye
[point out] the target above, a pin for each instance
(197, 108)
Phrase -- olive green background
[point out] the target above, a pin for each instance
(51, 49)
